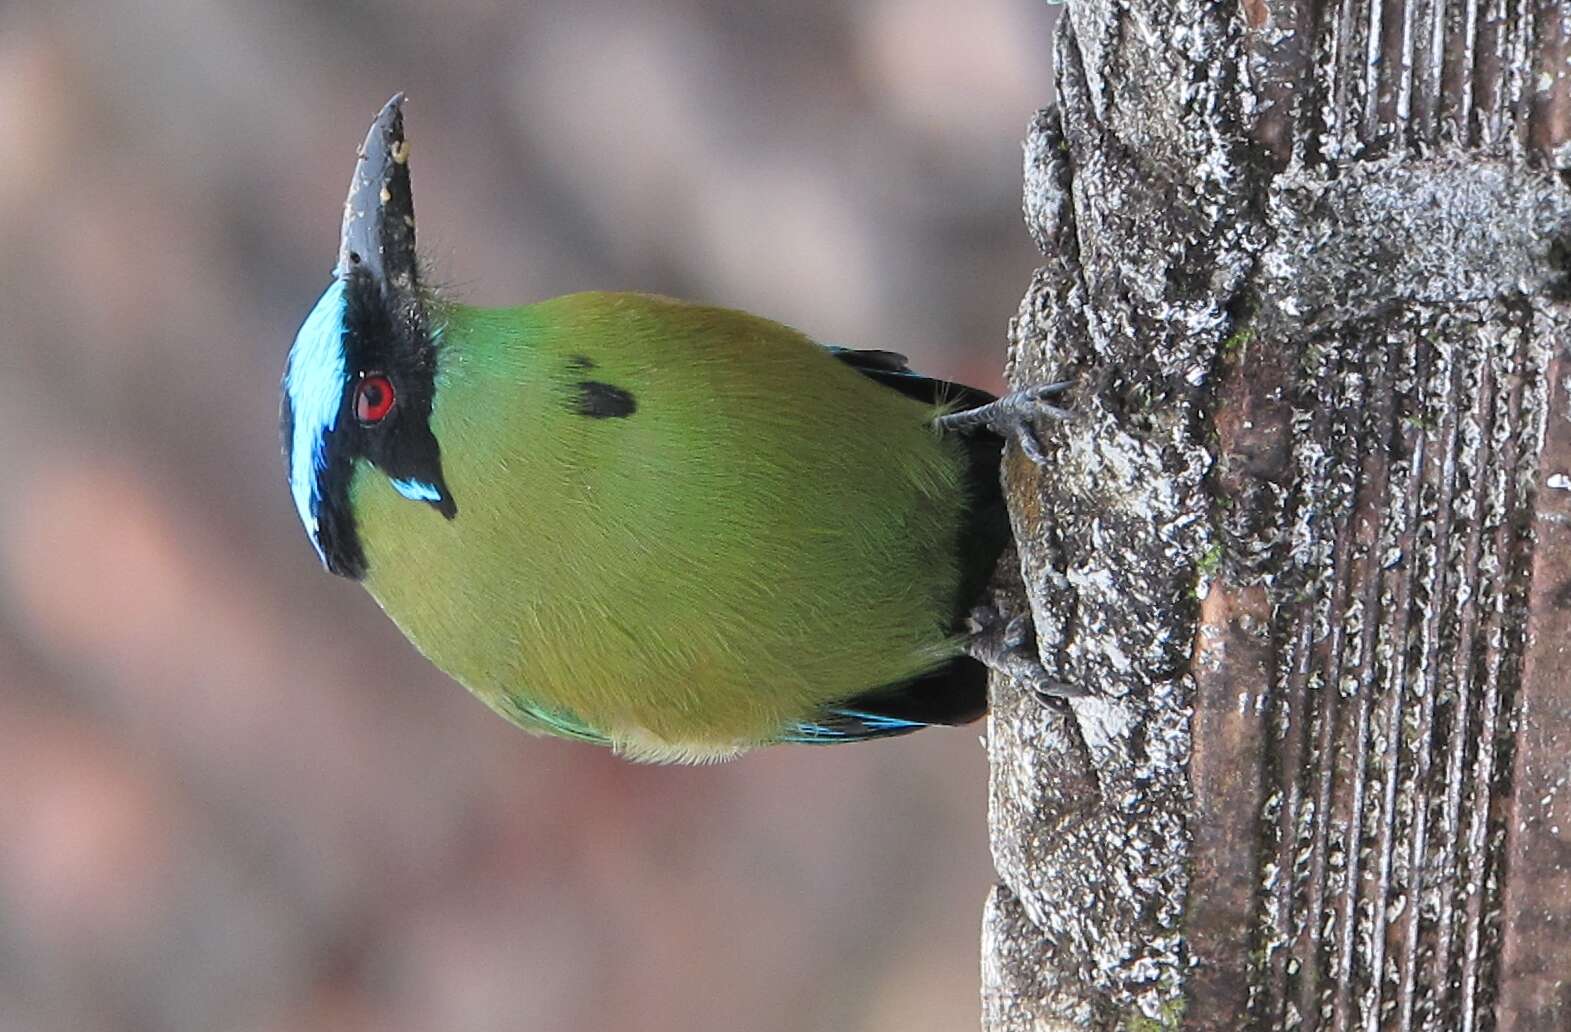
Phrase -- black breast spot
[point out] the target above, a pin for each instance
(603, 401)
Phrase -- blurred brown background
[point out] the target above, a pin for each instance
(231, 796)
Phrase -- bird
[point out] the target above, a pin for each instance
(678, 530)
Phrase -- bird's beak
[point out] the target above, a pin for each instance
(379, 214)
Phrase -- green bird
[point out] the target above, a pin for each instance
(679, 530)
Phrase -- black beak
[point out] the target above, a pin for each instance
(379, 214)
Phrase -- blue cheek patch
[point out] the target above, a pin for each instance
(417, 490)
(314, 380)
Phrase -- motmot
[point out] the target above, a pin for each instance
(675, 529)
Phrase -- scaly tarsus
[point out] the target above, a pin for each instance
(1014, 416)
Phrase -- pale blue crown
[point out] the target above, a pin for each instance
(314, 382)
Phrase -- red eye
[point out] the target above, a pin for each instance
(373, 399)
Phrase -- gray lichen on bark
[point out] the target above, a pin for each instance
(1307, 264)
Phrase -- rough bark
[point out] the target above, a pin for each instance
(1309, 539)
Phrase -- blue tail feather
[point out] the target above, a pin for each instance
(849, 725)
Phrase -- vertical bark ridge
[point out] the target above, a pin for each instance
(1354, 79)
(1307, 259)
(1549, 113)
(1535, 918)
(1386, 803)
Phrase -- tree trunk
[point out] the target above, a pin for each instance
(1309, 539)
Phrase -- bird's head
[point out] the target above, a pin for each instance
(360, 379)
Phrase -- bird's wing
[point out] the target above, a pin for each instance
(955, 693)
(532, 717)
(892, 370)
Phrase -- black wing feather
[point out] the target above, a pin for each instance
(890, 368)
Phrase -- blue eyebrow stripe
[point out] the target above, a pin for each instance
(314, 382)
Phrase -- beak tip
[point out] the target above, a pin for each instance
(378, 228)
(390, 120)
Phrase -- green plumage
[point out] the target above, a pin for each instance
(679, 530)
(757, 531)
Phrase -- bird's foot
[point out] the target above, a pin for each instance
(1008, 646)
(1014, 416)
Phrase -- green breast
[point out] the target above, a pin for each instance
(679, 528)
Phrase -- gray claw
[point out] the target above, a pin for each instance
(1030, 443)
(1013, 416)
(1006, 648)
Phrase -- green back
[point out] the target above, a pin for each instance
(767, 530)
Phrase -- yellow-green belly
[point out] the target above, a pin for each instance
(767, 532)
